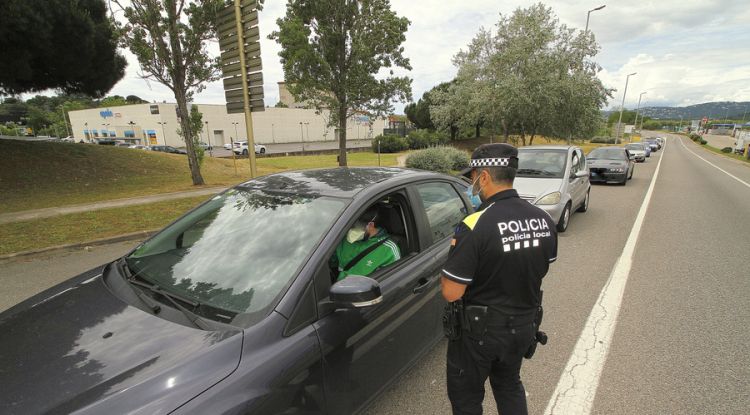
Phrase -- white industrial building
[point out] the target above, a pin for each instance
(156, 124)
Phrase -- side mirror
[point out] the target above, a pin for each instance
(582, 173)
(355, 292)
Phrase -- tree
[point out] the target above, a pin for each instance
(134, 99)
(334, 50)
(169, 38)
(62, 44)
(532, 76)
(113, 101)
(196, 126)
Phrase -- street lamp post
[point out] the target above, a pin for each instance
(231, 146)
(622, 105)
(302, 134)
(132, 129)
(107, 130)
(208, 136)
(635, 123)
(589, 15)
(307, 129)
(164, 135)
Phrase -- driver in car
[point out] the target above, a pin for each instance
(365, 248)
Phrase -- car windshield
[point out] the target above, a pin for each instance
(541, 163)
(239, 251)
(637, 147)
(607, 154)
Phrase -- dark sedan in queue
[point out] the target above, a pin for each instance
(236, 308)
(610, 165)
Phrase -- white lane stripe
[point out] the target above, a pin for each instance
(726, 172)
(458, 278)
(576, 389)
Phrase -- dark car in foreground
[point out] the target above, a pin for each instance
(610, 165)
(168, 149)
(235, 307)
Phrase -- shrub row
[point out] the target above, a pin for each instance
(603, 140)
(698, 139)
(441, 159)
(389, 143)
(425, 138)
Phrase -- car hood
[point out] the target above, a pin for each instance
(78, 348)
(531, 188)
(607, 163)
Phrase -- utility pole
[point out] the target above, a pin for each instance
(62, 109)
(589, 15)
(302, 134)
(635, 123)
(619, 122)
(164, 135)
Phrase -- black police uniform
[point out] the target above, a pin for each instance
(501, 253)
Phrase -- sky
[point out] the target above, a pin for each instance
(684, 52)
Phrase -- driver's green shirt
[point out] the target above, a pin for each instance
(387, 253)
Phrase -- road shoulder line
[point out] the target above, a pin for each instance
(576, 389)
(715, 166)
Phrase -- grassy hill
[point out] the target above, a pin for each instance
(39, 174)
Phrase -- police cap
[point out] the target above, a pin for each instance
(492, 155)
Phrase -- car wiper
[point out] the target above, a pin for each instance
(529, 171)
(195, 319)
(152, 305)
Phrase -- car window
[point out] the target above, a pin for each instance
(541, 163)
(238, 251)
(444, 208)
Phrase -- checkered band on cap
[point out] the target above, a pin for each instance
(491, 162)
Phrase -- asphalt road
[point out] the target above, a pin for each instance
(678, 345)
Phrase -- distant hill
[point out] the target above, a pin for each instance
(713, 110)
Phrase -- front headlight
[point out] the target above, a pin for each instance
(617, 170)
(550, 199)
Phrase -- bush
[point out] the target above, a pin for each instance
(459, 159)
(603, 140)
(726, 150)
(389, 143)
(694, 137)
(703, 142)
(425, 138)
(439, 159)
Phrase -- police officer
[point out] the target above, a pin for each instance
(498, 258)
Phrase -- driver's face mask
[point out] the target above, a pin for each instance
(358, 232)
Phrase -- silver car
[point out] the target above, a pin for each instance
(554, 178)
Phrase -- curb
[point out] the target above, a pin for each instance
(103, 241)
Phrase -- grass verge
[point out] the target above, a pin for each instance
(81, 227)
(35, 175)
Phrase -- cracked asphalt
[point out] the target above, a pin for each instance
(678, 346)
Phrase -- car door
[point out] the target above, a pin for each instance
(575, 184)
(365, 349)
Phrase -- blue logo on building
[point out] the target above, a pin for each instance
(106, 113)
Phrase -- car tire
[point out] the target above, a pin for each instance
(262, 150)
(244, 152)
(562, 224)
(631, 173)
(585, 205)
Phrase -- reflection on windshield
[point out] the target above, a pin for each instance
(541, 163)
(239, 251)
(608, 154)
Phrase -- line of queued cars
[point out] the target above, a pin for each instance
(558, 178)
(241, 147)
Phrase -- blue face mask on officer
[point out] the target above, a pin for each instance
(474, 198)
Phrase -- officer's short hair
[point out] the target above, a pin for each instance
(499, 151)
(500, 175)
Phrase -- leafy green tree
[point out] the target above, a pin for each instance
(334, 50)
(170, 39)
(113, 101)
(196, 126)
(134, 99)
(628, 117)
(531, 76)
(58, 44)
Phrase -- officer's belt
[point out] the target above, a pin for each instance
(499, 318)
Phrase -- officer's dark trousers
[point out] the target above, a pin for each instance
(498, 355)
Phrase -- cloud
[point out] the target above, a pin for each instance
(685, 52)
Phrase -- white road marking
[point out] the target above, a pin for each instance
(579, 381)
(726, 172)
